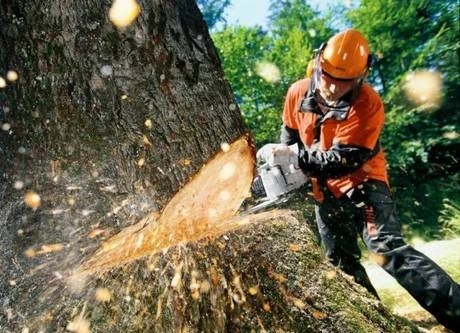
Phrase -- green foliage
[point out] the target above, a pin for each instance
(429, 208)
(241, 50)
(449, 217)
(213, 11)
(411, 35)
(297, 30)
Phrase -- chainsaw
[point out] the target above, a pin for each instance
(278, 175)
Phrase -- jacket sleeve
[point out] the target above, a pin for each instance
(289, 135)
(290, 108)
(335, 162)
(290, 128)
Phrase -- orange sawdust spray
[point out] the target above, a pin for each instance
(204, 207)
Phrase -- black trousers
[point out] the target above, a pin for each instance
(369, 210)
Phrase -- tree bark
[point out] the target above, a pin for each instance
(87, 89)
(106, 126)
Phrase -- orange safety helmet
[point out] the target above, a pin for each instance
(345, 55)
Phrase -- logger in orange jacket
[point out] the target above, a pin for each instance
(336, 119)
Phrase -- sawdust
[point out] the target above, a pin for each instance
(204, 207)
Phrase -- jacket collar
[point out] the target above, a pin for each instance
(338, 112)
(313, 102)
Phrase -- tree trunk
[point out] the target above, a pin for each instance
(101, 129)
(97, 100)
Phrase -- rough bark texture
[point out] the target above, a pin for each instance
(74, 68)
(106, 126)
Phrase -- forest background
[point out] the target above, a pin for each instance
(416, 47)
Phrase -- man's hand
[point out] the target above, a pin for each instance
(314, 161)
(304, 160)
(267, 152)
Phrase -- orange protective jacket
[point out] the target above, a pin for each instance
(361, 127)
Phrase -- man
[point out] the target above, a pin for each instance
(336, 119)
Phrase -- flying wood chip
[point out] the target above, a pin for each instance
(204, 207)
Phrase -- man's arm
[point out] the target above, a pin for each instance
(338, 161)
(289, 135)
(290, 128)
